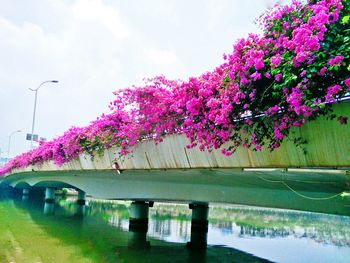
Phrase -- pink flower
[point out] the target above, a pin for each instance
(259, 64)
(256, 76)
(332, 91)
(278, 134)
(347, 83)
(275, 60)
(322, 71)
(336, 61)
(278, 77)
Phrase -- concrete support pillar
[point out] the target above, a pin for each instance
(139, 214)
(81, 197)
(199, 225)
(138, 238)
(200, 214)
(81, 202)
(49, 195)
(49, 200)
(138, 224)
(25, 194)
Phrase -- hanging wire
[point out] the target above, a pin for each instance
(299, 194)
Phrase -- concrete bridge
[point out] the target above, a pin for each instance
(285, 178)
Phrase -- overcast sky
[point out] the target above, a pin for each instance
(96, 47)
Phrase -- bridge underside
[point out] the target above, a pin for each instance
(299, 189)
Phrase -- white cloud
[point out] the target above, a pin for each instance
(161, 57)
(97, 11)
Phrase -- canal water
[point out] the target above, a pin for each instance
(235, 234)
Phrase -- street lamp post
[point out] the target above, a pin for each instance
(36, 96)
(9, 144)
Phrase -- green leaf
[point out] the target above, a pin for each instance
(345, 19)
(274, 72)
(313, 70)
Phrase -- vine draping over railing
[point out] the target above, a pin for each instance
(284, 77)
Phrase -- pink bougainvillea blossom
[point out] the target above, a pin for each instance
(268, 83)
(336, 61)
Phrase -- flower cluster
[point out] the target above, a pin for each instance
(284, 77)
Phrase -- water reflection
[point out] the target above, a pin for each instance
(272, 223)
(138, 238)
(276, 235)
(49, 208)
(81, 210)
(94, 238)
(173, 222)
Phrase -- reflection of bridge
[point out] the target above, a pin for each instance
(284, 178)
(114, 243)
(174, 220)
